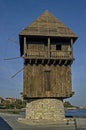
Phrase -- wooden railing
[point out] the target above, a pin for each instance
(51, 54)
(61, 54)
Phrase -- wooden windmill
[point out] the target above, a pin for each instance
(47, 47)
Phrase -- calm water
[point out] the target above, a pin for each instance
(75, 112)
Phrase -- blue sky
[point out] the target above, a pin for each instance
(17, 14)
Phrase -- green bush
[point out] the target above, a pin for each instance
(18, 104)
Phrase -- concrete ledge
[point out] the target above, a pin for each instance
(64, 122)
(18, 122)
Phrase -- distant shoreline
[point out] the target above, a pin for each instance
(24, 109)
(13, 111)
(73, 108)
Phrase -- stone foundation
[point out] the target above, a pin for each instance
(45, 109)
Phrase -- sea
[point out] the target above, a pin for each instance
(76, 113)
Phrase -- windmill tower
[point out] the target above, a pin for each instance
(47, 47)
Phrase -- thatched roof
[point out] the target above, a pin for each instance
(48, 25)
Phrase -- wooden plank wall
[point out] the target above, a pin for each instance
(60, 81)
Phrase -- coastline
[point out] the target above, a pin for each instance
(74, 108)
(12, 110)
(69, 113)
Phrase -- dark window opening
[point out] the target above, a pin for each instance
(58, 47)
(37, 40)
(46, 44)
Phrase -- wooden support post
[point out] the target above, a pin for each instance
(25, 47)
(60, 62)
(54, 62)
(42, 61)
(48, 47)
(48, 61)
(65, 62)
(30, 61)
(35, 61)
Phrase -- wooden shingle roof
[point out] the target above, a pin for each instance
(48, 25)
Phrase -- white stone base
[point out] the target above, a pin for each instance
(45, 109)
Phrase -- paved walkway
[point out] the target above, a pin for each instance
(10, 122)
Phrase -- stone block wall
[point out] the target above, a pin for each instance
(45, 109)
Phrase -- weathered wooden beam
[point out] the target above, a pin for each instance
(25, 47)
(54, 62)
(60, 61)
(48, 47)
(42, 61)
(30, 61)
(48, 62)
(65, 62)
(35, 61)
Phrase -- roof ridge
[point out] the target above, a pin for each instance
(48, 25)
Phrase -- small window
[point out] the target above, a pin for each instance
(58, 47)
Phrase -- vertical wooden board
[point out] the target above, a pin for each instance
(35, 85)
(38, 81)
(34, 80)
(68, 81)
(66, 88)
(59, 81)
(47, 85)
(29, 70)
(32, 89)
(64, 80)
(56, 81)
(30, 80)
(42, 79)
(53, 80)
(56, 84)
(25, 80)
